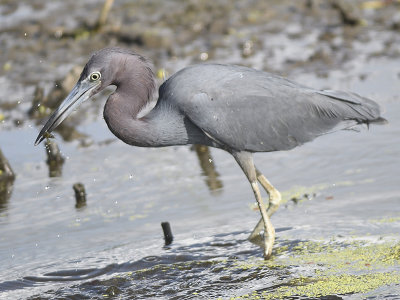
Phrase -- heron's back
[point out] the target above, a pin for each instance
(245, 109)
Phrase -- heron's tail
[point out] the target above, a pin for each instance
(356, 108)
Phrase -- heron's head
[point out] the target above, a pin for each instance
(108, 66)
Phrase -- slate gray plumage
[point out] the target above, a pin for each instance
(238, 109)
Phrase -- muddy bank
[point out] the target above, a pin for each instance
(39, 46)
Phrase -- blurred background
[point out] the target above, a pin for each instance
(341, 192)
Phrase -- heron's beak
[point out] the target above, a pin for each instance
(81, 92)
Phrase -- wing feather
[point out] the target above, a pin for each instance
(250, 110)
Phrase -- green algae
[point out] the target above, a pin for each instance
(313, 268)
(333, 285)
(256, 263)
(324, 268)
(386, 220)
(300, 193)
(298, 269)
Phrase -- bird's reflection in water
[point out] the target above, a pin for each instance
(7, 177)
(55, 160)
(207, 166)
(6, 188)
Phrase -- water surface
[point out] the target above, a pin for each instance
(339, 222)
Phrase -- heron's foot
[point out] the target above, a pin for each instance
(255, 236)
(263, 237)
(275, 199)
(267, 243)
(269, 239)
(268, 250)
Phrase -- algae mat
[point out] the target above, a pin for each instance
(340, 268)
(331, 268)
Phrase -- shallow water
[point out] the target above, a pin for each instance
(47, 245)
(343, 234)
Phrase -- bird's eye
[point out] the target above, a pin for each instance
(95, 76)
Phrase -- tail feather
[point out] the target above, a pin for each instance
(355, 107)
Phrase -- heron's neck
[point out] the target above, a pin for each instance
(121, 112)
(163, 126)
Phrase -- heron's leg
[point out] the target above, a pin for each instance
(245, 160)
(274, 202)
(274, 195)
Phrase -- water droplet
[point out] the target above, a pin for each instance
(25, 34)
(38, 105)
(116, 202)
(204, 56)
(94, 179)
(58, 235)
(46, 187)
(19, 102)
(130, 176)
(12, 255)
(210, 160)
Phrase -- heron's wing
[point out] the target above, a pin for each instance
(273, 113)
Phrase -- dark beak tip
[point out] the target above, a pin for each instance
(39, 139)
(78, 94)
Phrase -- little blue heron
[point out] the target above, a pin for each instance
(234, 108)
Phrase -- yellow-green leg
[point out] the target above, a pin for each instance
(274, 202)
(245, 160)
